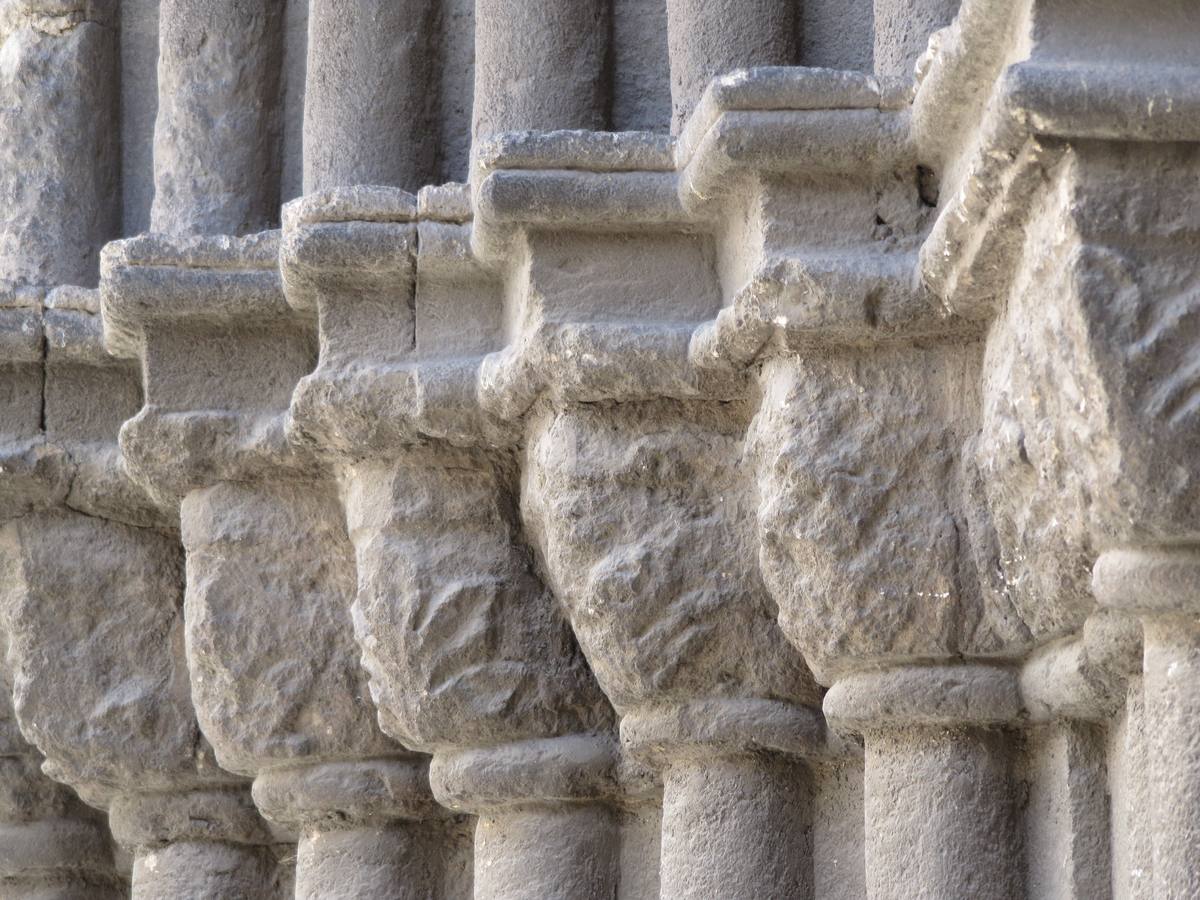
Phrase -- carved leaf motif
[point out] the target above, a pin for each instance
(462, 642)
(643, 521)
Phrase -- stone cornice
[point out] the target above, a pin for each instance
(221, 351)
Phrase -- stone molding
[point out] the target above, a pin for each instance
(814, 477)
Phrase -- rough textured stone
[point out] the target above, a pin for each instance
(216, 159)
(709, 37)
(371, 84)
(539, 65)
(464, 644)
(637, 516)
(790, 492)
(99, 676)
(57, 157)
(865, 526)
(249, 600)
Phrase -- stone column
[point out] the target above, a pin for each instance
(938, 791)
(216, 154)
(1073, 689)
(546, 824)
(52, 847)
(364, 828)
(467, 652)
(625, 523)
(100, 684)
(707, 38)
(310, 739)
(539, 65)
(194, 845)
(58, 149)
(90, 605)
(724, 795)
(902, 31)
(1162, 586)
(1090, 437)
(468, 656)
(866, 543)
(270, 567)
(370, 94)
(51, 844)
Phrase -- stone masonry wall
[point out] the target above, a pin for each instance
(599, 449)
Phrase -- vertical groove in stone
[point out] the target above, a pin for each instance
(902, 30)
(1066, 816)
(939, 814)
(641, 66)
(707, 38)
(216, 138)
(371, 97)
(540, 65)
(561, 852)
(291, 100)
(736, 826)
(457, 77)
(139, 105)
(58, 149)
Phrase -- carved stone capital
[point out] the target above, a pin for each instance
(270, 569)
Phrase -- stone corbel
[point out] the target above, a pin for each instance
(49, 840)
(468, 657)
(633, 491)
(95, 636)
(1089, 427)
(868, 518)
(270, 571)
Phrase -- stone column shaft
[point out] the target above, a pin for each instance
(200, 870)
(736, 826)
(707, 38)
(194, 845)
(546, 824)
(216, 136)
(539, 65)
(385, 862)
(67, 858)
(551, 852)
(938, 814)
(370, 94)
(58, 155)
(937, 784)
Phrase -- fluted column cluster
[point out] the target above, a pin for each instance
(796, 502)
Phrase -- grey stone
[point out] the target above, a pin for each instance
(58, 160)
(539, 64)
(371, 82)
(739, 479)
(709, 38)
(216, 163)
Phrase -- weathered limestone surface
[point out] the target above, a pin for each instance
(58, 156)
(216, 157)
(371, 84)
(768, 469)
